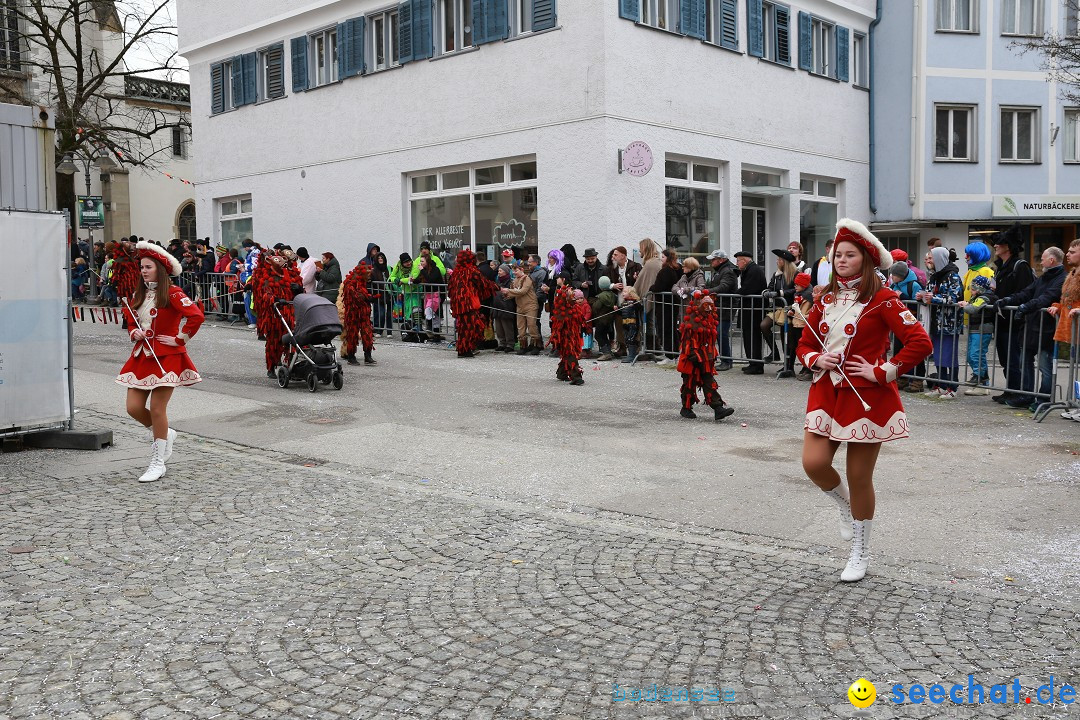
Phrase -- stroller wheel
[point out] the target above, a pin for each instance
(312, 382)
(282, 376)
(339, 379)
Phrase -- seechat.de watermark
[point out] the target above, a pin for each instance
(974, 693)
(665, 693)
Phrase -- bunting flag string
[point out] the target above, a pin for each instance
(102, 315)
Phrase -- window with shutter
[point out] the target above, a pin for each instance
(217, 88)
(755, 34)
(299, 64)
(806, 43)
(692, 18)
(782, 22)
(421, 34)
(480, 20)
(405, 32)
(274, 86)
(728, 28)
(842, 63)
(544, 16)
(250, 82)
(351, 47)
(237, 84)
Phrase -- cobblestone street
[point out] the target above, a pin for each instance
(280, 584)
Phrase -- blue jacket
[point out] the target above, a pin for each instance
(908, 286)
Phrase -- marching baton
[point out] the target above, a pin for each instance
(839, 367)
(146, 340)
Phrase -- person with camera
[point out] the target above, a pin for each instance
(779, 295)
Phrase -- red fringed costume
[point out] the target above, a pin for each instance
(566, 322)
(271, 281)
(468, 289)
(356, 301)
(125, 270)
(697, 354)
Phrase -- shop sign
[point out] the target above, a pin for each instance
(509, 234)
(1037, 206)
(636, 159)
(444, 237)
(91, 211)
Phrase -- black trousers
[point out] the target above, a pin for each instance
(750, 320)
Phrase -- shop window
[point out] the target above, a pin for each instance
(490, 175)
(1021, 17)
(1071, 133)
(235, 220)
(520, 172)
(954, 137)
(425, 183)
(957, 15)
(455, 179)
(1019, 135)
(769, 32)
(11, 51)
(817, 225)
(692, 206)
(454, 22)
(384, 40)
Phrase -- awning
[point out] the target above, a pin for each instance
(770, 190)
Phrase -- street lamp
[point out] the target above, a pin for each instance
(68, 167)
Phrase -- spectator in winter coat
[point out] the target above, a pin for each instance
(603, 314)
(538, 276)
(1067, 311)
(328, 277)
(906, 283)
(944, 291)
(593, 270)
(650, 267)
(899, 255)
(1038, 330)
(572, 266)
(372, 251)
(665, 306)
(521, 290)
(692, 279)
(307, 266)
(505, 307)
(381, 300)
(979, 312)
(722, 285)
(1012, 275)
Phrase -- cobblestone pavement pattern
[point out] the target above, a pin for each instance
(244, 587)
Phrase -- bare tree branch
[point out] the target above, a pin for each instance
(1059, 53)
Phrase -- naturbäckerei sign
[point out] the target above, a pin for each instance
(1036, 206)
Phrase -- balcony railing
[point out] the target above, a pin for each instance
(163, 91)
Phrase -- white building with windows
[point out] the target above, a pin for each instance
(528, 123)
(969, 137)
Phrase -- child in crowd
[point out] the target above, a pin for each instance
(628, 316)
(980, 316)
(804, 300)
(697, 356)
(528, 327)
(586, 324)
(603, 309)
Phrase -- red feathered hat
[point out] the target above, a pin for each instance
(855, 232)
(802, 280)
(899, 255)
(156, 252)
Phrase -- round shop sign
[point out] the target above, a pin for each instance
(637, 158)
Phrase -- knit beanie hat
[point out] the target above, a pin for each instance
(899, 270)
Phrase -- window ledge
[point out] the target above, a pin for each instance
(666, 31)
(329, 84)
(722, 47)
(823, 77)
(1021, 35)
(774, 63)
(864, 88)
(397, 66)
(949, 161)
(455, 53)
(225, 112)
(949, 31)
(531, 33)
(270, 100)
(1075, 161)
(18, 74)
(1019, 162)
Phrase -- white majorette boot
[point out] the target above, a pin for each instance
(157, 462)
(170, 438)
(860, 551)
(840, 495)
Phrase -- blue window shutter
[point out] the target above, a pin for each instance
(421, 16)
(275, 71)
(755, 41)
(357, 64)
(782, 19)
(544, 15)
(217, 88)
(405, 34)
(299, 63)
(806, 43)
(350, 36)
(842, 54)
(729, 28)
(251, 87)
(498, 24)
(343, 44)
(238, 81)
(692, 18)
(480, 21)
(631, 9)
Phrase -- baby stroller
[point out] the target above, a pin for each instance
(310, 355)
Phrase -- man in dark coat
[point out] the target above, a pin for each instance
(623, 272)
(1038, 328)
(1012, 275)
(592, 268)
(724, 282)
(751, 284)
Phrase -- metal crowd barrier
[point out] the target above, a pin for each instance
(221, 294)
(418, 313)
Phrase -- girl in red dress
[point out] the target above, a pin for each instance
(159, 362)
(853, 397)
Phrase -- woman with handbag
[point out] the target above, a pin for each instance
(159, 361)
(779, 294)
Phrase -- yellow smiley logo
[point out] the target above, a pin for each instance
(862, 693)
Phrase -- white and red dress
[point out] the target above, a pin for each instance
(852, 328)
(141, 371)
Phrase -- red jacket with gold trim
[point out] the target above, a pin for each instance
(852, 328)
(166, 322)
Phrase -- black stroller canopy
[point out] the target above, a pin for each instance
(314, 311)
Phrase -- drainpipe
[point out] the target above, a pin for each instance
(873, 90)
(916, 48)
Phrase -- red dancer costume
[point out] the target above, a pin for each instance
(566, 322)
(356, 304)
(141, 371)
(854, 329)
(697, 356)
(125, 270)
(272, 280)
(467, 289)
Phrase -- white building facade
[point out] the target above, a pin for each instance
(702, 124)
(969, 135)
